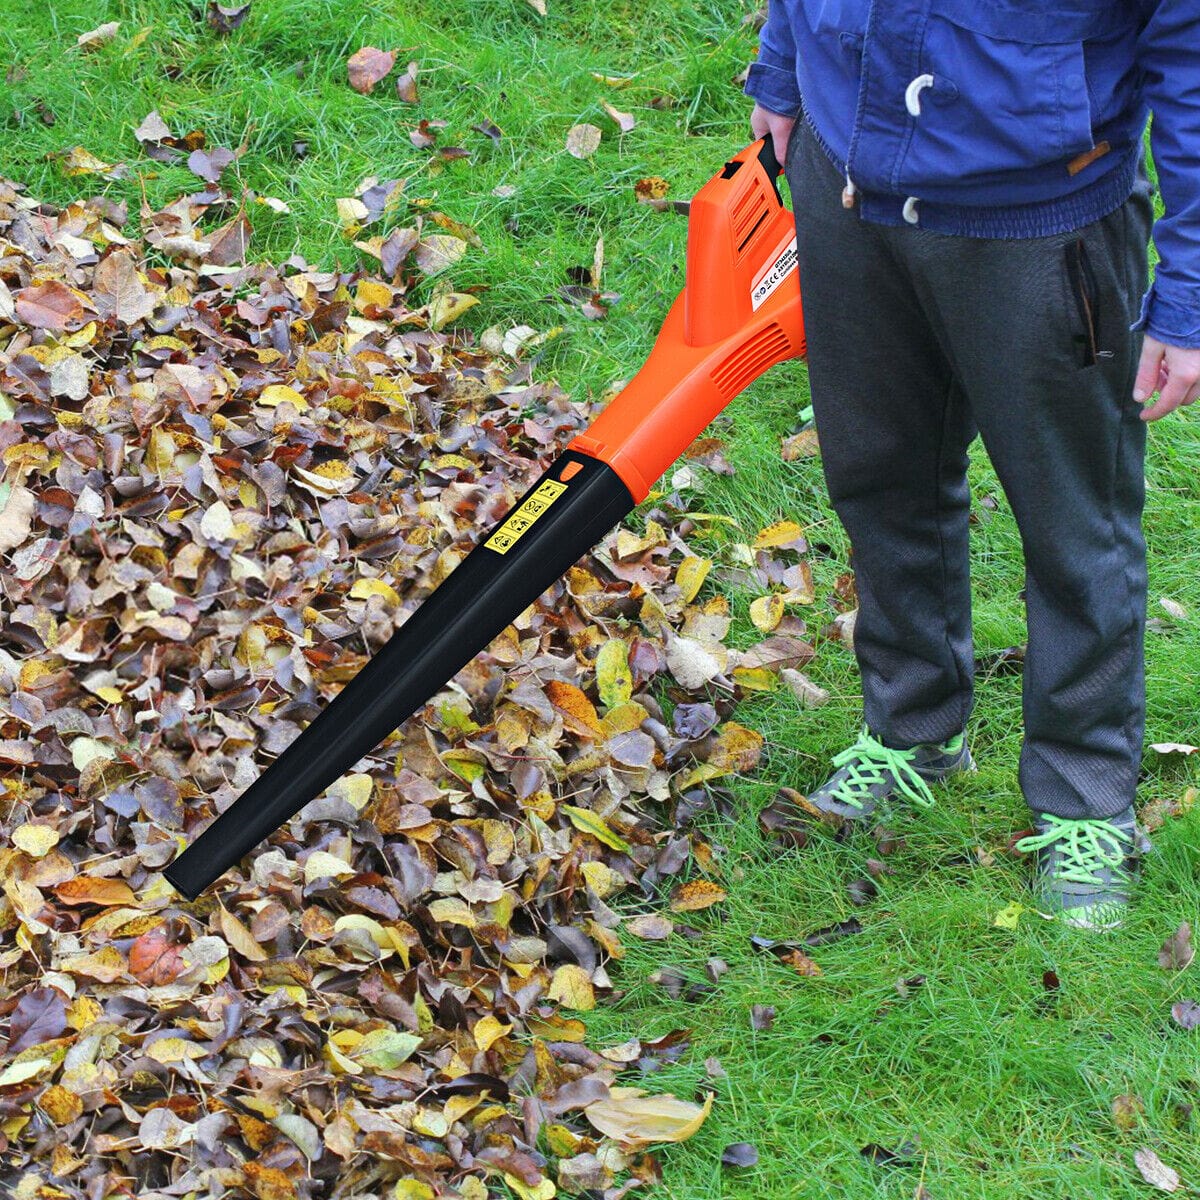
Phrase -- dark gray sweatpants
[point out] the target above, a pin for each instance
(916, 342)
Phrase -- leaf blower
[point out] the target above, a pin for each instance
(738, 314)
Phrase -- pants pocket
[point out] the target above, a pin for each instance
(1085, 291)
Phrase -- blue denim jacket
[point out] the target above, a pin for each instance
(1014, 119)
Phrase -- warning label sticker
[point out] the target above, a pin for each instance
(774, 274)
(524, 516)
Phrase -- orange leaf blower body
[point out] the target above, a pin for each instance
(738, 314)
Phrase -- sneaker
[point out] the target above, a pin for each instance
(869, 773)
(1086, 869)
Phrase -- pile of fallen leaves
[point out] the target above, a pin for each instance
(224, 486)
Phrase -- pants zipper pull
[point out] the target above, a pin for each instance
(849, 192)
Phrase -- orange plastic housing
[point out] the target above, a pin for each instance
(738, 314)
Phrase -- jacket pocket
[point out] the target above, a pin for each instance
(1009, 89)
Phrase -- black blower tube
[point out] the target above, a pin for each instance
(570, 508)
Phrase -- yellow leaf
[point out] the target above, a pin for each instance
(635, 1119)
(320, 864)
(589, 822)
(60, 1104)
(737, 749)
(85, 750)
(767, 611)
(698, 774)
(488, 1031)
(372, 293)
(449, 307)
(35, 840)
(755, 679)
(354, 789)
(412, 1189)
(374, 587)
(239, 937)
(1009, 916)
(778, 534)
(275, 394)
(700, 893)
(602, 879)
(19, 1071)
(613, 677)
(450, 910)
(572, 988)
(173, 1049)
(544, 1189)
(692, 573)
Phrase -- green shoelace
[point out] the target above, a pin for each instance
(1086, 848)
(869, 763)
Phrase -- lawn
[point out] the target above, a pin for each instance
(983, 1061)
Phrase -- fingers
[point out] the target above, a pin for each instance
(1178, 382)
(1149, 369)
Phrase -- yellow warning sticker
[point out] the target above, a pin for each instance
(524, 515)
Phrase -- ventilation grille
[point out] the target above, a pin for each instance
(748, 214)
(747, 362)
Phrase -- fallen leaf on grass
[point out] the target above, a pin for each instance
(1174, 748)
(637, 1120)
(762, 1017)
(583, 140)
(700, 893)
(1127, 1110)
(366, 67)
(650, 927)
(1009, 917)
(98, 36)
(904, 1155)
(625, 121)
(406, 85)
(225, 18)
(739, 1154)
(1177, 951)
(1186, 1014)
(1155, 1172)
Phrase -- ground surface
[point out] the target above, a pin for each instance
(1004, 1065)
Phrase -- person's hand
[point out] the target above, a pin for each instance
(763, 122)
(1172, 372)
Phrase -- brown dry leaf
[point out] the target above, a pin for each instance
(583, 140)
(51, 305)
(625, 121)
(652, 187)
(636, 1120)
(99, 36)
(366, 67)
(577, 710)
(1155, 1172)
(801, 963)
(94, 889)
(406, 85)
(1127, 1110)
(17, 506)
(800, 445)
(1177, 951)
(698, 894)
(651, 927)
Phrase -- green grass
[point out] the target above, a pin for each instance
(1007, 1086)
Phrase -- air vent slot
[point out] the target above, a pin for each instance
(748, 214)
(749, 361)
